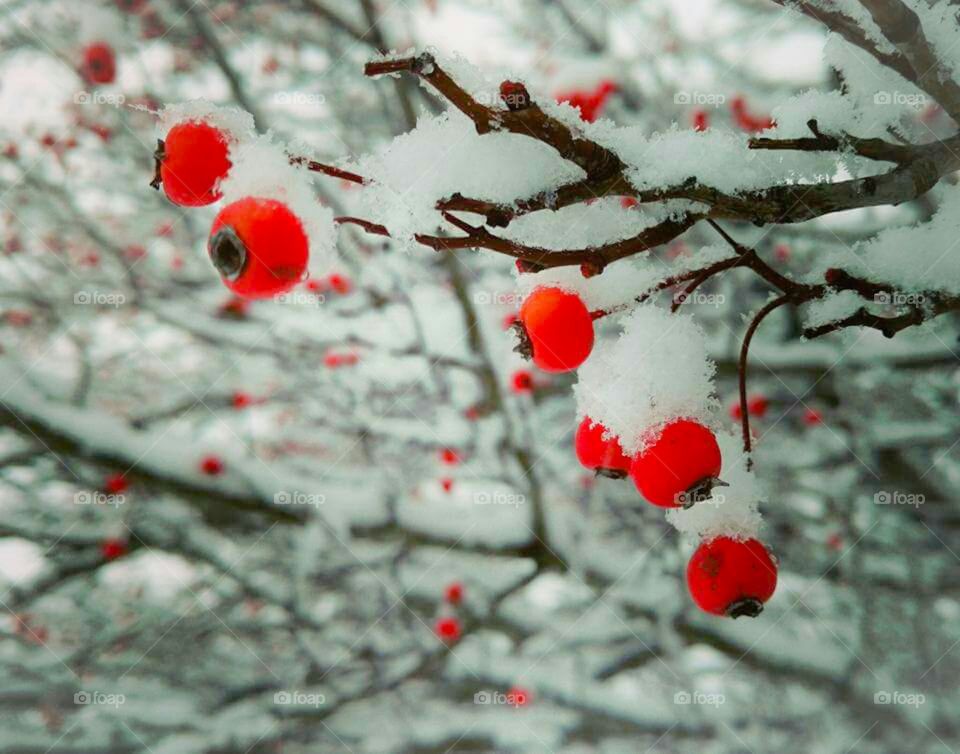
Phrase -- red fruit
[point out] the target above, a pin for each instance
(700, 120)
(259, 247)
(449, 456)
(628, 202)
(111, 549)
(518, 696)
(680, 467)
(557, 329)
(510, 320)
(99, 64)
(514, 95)
(782, 252)
(447, 484)
(240, 399)
(193, 159)
(115, 484)
(736, 412)
(590, 104)
(835, 542)
(454, 593)
(758, 405)
(812, 417)
(522, 381)
(340, 283)
(448, 629)
(600, 454)
(732, 577)
(211, 466)
(472, 413)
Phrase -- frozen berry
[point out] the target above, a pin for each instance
(115, 484)
(731, 577)
(598, 453)
(211, 466)
(113, 548)
(192, 161)
(448, 629)
(680, 467)
(453, 593)
(556, 330)
(99, 64)
(259, 247)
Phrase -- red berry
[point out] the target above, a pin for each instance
(700, 120)
(193, 160)
(111, 549)
(211, 466)
(472, 413)
(812, 417)
(447, 484)
(449, 456)
(736, 412)
(339, 283)
(600, 454)
(518, 696)
(558, 329)
(522, 381)
(782, 252)
(628, 202)
(758, 405)
(454, 593)
(731, 577)
(448, 629)
(115, 484)
(679, 467)
(835, 542)
(99, 64)
(510, 320)
(259, 247)
(240, 399)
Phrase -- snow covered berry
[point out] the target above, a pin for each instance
(113, 548)
(191, 162)
(732, 577)
(598, 453)
(211, 465)
(99, 64)
(680, 467)
(259, 247)
(556, 330)
(453, 593)
(448, 629)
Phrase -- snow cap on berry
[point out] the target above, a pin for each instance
(237, 124)
(262, 169)
(658, 370)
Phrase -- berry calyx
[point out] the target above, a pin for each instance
(259, 247)
(598, 453)
(211, 465)
(448, 629)
(113, 548)
(115, 484)
(99, 64)
(732, 577)
(191, 162)
(680, 467)
(555, 329)
(453, 593)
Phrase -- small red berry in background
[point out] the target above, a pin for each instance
(557, 329)
(99, 64)
(193, 159)
(781, 252)
(165, 230)
(131, 6)
(736, 412)
(835, 542)
(679, 467)
(510, 320)
(113, 548)
(757, 406)
(521, 381)
(259, 247)
(449, 456)
(518, 696)
(732, 577)
(472, 413)
(812, 417)
(745, 120)
(590, 103)
(334, 360)
(448, 629)
(599, 454)
(211, 466)
(453, 593)
(17, 317)
(240, 399)
(628, 202)
(340, 283)
(116, 484)
(701, 120)
(447, 484)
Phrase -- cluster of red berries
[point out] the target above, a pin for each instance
(448, 628)
(257, 244)
(747, 120)
(590, 103)
(679, 469)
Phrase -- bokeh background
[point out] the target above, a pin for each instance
(375, 447)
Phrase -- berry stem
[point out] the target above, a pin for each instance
(319, 167)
